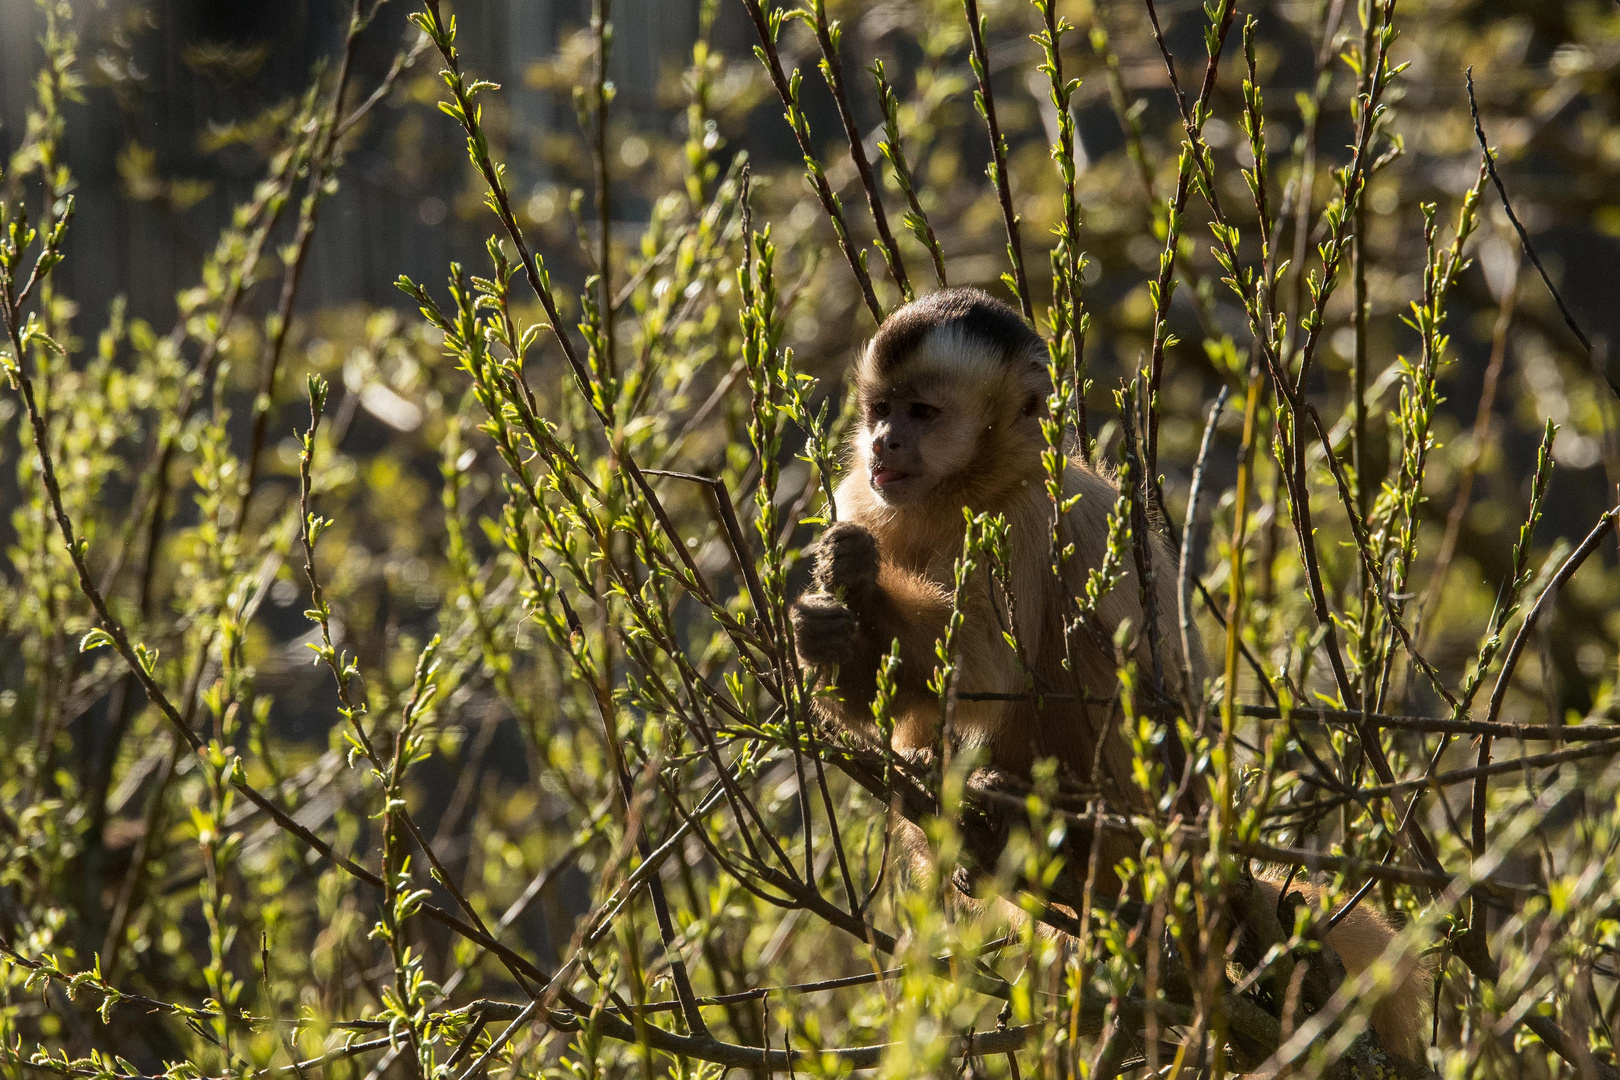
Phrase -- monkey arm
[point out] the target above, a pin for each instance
(860, 606)
(855, 633)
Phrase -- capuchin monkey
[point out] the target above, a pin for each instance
(951, 391)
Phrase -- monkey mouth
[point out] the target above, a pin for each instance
(883, 476)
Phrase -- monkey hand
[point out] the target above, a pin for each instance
(847, 559)
(824, 630)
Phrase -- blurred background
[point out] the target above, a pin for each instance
(165, 146)
(165, 143)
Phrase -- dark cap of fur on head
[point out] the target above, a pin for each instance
(974, 313)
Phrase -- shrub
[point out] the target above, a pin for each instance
(577, 815)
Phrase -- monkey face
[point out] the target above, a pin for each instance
(913, 443)
(947, 433)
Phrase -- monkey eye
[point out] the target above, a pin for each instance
(880, 409)
(922, 411)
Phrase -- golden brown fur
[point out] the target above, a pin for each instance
(1360, 939)
(951, 390)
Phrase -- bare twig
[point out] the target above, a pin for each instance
(1184, 580)
(828, 36)
(768, 27)
(1524, 237)
(979, 57)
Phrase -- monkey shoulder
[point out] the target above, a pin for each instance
(1095, 482)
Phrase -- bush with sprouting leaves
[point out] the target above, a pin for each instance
(569, 808)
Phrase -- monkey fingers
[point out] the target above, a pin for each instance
(847, 558)
(919, 759)
(825, 632)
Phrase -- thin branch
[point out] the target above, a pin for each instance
(321, 161)
(1189, 633)
(1604, 526)
(828, 36)
(768, 26)
(986, 102)
(1524, 237)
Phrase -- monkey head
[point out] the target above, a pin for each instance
(951, 390)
